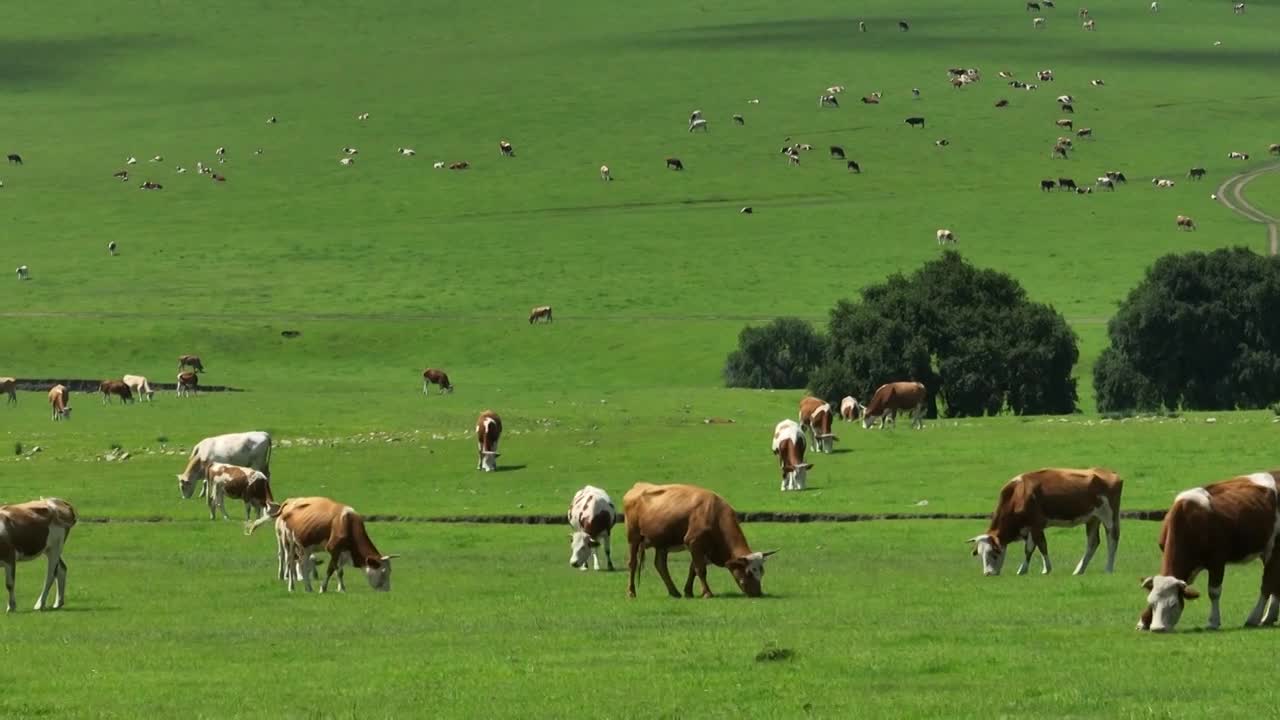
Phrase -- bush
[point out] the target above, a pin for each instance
(781, 354)
(1199, 332)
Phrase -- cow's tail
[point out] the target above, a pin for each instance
(273, 512)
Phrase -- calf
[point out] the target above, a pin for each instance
(1089, 25)
(1162, 183)
(115, 387)
(1045, 76)
(1084, 132)
(9, 386)
(1002, 103)
(674, 163)
(892, 397)
(31, 529)
(789, 446)
(1064, 122)
(815, 419)
(870, 100)
(308, 525)
(849, 408)
(140, 386)
(60, 401)
(191, 361)
(1037, 23)
(242, 483)
(462, 165)
(915, 121)
(188, 384)
(1052, 497)
(1207, 528)
(488, 431)
(946, 236)
(1274, 148)
(737, 119)
(592, 517)
(437, 377)
(247, 449)
(540, 313)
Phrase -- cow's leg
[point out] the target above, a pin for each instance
(8, 583)
(1026, 559)
(688, 582)
(289, 570)
(62, 584)
(1043, 545)
(608, 552)
(54, 555)
(1216, 575)
(425, 386)
(633, 561)
(1093, 539)
(1273, 610)
(222, 501)
(308, 568)
(1113, 538)
(660, 562)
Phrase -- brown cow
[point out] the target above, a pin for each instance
(35, 528)
(542, 312)
(60, 401)
(892, 397)
(788, 445)
(308, 525)
(188, 383)
(242, 483)
(1185, 223)
(815, 419)
(191, 361)
(1232, 521)
(9, 386)
(463, 165)
(675, 517)
(115, 387)
(488, 431)
(434, 376)
(1052, 497)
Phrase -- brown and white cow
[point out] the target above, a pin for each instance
(308, 525)
(191, 361)
(1185, 223)
(670, 518)
(815, 419)
(9, 386)
(1052, 497)
(542, 312)
(117, 388)
(140, 386)
(1233, 521)
(892, 397)
(242, 483)
(188, 383)
(60, 401)
(788, 446)
(592, 517)
(435, 376)
(247, 449)
(488, 431)
(849, 408)
(35, 528)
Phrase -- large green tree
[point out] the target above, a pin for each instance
(781, 354)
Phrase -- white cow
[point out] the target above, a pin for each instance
(788, 446)
(946, 236)
(247, 449)
(140, 387)
(592, 516)
(604, 173)
(24, 273)
(699, 124)
(849, 408)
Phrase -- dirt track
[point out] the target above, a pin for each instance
(1231, 194)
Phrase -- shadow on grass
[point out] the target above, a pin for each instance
(509, 468)
(33, 62)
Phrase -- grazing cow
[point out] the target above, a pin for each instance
(1037, 23)
(862, 26)
(148, 185)
(1002, 103)
(1155, 6)
(677, 517)
(1237, 156)
(1238, 9)
(437, 165)
(815, 419)
(9, 386)
(1046, 185)
(246, 449)
(505, 149)
(308, 525)
(542, 312)
(140, 387)
(1052, 497)
(1065, 141)
(1107, 183)
(115, 387)
(461, 165)
(24, 273)
(406, 152)
(849, 408)
(737, 120)
(604, 173)
(828, 100)
(1097, 83)
(793, 158)
(122, 174)
(1185, 223)
(111, 248)
(188, 383)
(437, 377)
(915, 121)
(903, 26)
(1082, 13)
(1196, 173)
(699, 124)
(1084, 132)
(870, 100)
(695, 116)
(1065, 99)
(1207, 528)
(789, 446)
(60, 401)
(591, 517)
(854, 167)
(746, 210)
(191, 361)
(1048, 3)
(488, 431)
(915, 93)
(1162, 183)
(1059, 150)
(674, 163)
(1064, 122)
(1274, 148)
(942, 143)
(1005, 74)
(32, 529)
(242, 483)
(837, 152)
(892, 397)
(1067, 108)
(15, 159)
(1084, 191)
(1089, 25)
(362, 116)
(1066, 184)
(946, 236)
(1033, 6)
(1044, 75)
(1117, 176)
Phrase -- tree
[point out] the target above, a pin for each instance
(969, 334)
(781, 354)
(1199, 332)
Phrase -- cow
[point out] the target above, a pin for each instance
(188, 384)
(793, 158)
(121, 175)
(1090, 25)
(460, 165)
(1237, 156)
(29, 530)
(849, 408)
(1274, 148)
(1059, 150)
(789, 446)
(140, 386)
(1097, 83)
(15, 159)
(505, 149)
(148, 185)
(903, 26)
(488, 431)
(1064, 122)
(1106, 182)
(312, 524)
(1052, 497)
(591, 517)
(242, 483)
(685, 517)
(406, 152)
(828, 100)
(695, 116)
(674, 163)
(1084, 132)
(837, 152)
(946, 236)
(60, 401)
(892, 397)
(1033, 6)
(246, 449)
(862, 26)
(437, 377)
(1065, 99)
(191, 361)
(1155, 6)
(1002, 103)
(1207, 528)
(699, 124)
(111, 248)
(815, 419)
(604, 173)
(1037, 23)
(870, 100)
(115, 387)
(942, 143)
(1185, 223)
(854, 167)
(1196, 173)
(915, 121)
(24, 272)
(1162, 183)
(1117, 176)
(1067, 108)
(9, 386)
(1067, 184)
(1238, 9)
(737, 119)
(1044, 75)
(542, 312)
(349, 161)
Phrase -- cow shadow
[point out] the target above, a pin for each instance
(840, 451)
(509, 468)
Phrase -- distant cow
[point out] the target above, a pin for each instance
(870, 100)
(1046, 185)
(604, 173)
(15, 158)
(1067, 108)
(1185, 223)
(1238, 9)
(674, 163)
(241, 483)
(9, 386)
(737, 120)
(837, 152)
(1084, 132)
(60, 401)
(699, 124)
(1274, 148)
(1033, 6)
(488, 432)
(140, 386)
(1059, 150)
(591, 519)
(505, 149)
(1064, 122)
(437, 377)
(191, 361)
(542, 312)
(892, 397)
(815, 419)
(462, 165)
(1090, 25)
(915, 121)
(946, 236)
(788, 446)
(1196, 173)
(1044, 75)
(1066, 184)
(1237, 156)
(32, 529)
(1037, 23)
(1106, 182)
(903, 26)
(1002, 103)
(117, 388)
(24, 273)
(828, 100)
(1117, 176)
(853, 166)
(188, 383)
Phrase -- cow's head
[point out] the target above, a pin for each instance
(826, 442)
(868, 421)
(1166, 597)
(748, 571)
(489, 460)
(580, 547)
(378, 570)
(988, 547)
(187, 479)
(794, 477)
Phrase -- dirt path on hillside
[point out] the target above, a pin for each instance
(1231, 194)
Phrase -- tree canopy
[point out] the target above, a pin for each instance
(781, 354)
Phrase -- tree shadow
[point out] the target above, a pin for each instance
(34, 62)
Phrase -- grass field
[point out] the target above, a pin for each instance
(388, 266)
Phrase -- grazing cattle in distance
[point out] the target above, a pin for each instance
(1207, 528)
(308, 525)
(1084, 191)
(1052, 497)
(505, 149)
(148, 185)
(242, 483)
(15, 159)
(675, 517)
(29, 530)
(604, 173)
(123, 175)
(1162, 183)
(854, 167)
(1059, 150)
(849, 408)
(437, 377)
(140, 386)
(699, 124)
(1065, 141)
(247, 449)
(488, 431)
(406, 152)
(903, 26)
(60, 401)
(746, 210)
(695, 116)
(942, 143)
(1046, 185)
(1084, 132)
(1067, 108)
(946, 236)
(793, 158)
(837, 152)
(1002, 103)
(1107, 183)
(9, 386)
(1097, 83)
(788, 446)
(24, 273)
(1066, 184)
(1196, 173)
(542, 312)
(737, 119)
(1117, 176)
(915, 121)
(1048, 3)
(1065, 99)
(1274, 148)
(1033, 6)
(437, 165)
(1237, 156)
(115, 387)
(1238, 8)
(915, 93)
(828, 100)
(1064, 122)
(1090, 25)
(1037, 23)
(188, 383)
(461, 165)
(674, 163)
(1044, 75)
(591, 518)
(1082, 13)
(815, 419)
(892, 397)
(1155, 6)
(111, 248)
(862, 26)
(1185, 223)
(870, 100)
(191, 361)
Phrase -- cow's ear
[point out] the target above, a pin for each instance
(1148, 583)
(1189, 593)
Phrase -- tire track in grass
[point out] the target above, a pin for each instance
(1231, 194)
